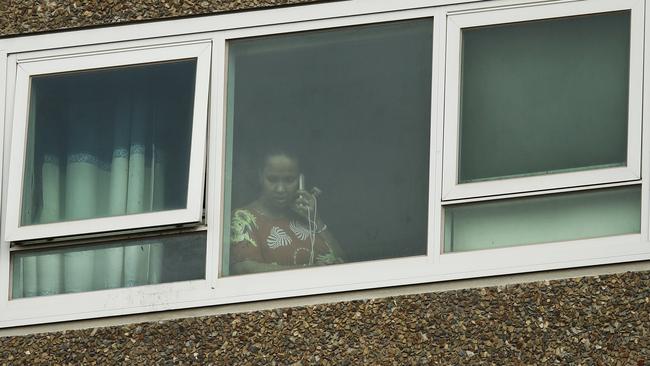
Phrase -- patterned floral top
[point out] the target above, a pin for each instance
(257, 237)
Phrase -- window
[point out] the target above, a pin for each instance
(555, 217)
(108, 265)
(113, 141)
(109, 140)
(348, 145)
(349, 110)
(544, 102)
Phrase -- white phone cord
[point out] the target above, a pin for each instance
(312, 229)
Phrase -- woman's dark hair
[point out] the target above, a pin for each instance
(265, 154)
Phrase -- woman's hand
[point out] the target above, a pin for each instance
(304, 205)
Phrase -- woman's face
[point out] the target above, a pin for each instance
(279, 179)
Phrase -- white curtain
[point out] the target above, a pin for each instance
(104, 162)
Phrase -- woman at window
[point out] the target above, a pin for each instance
(281, 229)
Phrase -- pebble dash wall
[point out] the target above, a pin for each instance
(602, 320)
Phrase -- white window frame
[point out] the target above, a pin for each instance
(452, 189)
(215, 289)
(318, 278)
(67, 60)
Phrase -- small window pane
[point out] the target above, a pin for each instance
(349, 110)
(552, 218)
(545, 96)
(109, 265)
(108, 142)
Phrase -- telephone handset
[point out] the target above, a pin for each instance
(301, 182)
(302, 188)
(315, 191)
(311, 216)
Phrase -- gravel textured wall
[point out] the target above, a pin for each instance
(585, 321)
(27, 16)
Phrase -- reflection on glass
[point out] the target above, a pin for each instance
(102, 266)
(544, 219)
(108, 142)
(545, 96)
(345, 110)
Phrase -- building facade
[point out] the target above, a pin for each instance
(239, 156)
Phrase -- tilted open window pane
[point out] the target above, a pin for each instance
(128, 263)
(543, 219)
(108, 142)
(349, 110)
(544, 96)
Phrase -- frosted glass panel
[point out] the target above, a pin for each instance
(102, 266)
(544, 96)
(350, 110)
(108, 142)
(543, 219)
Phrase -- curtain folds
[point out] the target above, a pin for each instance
(92, 164)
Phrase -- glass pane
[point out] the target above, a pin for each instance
(106, 265)
(349, 109)
(108, 142)
(552, 218)
(544, 97)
